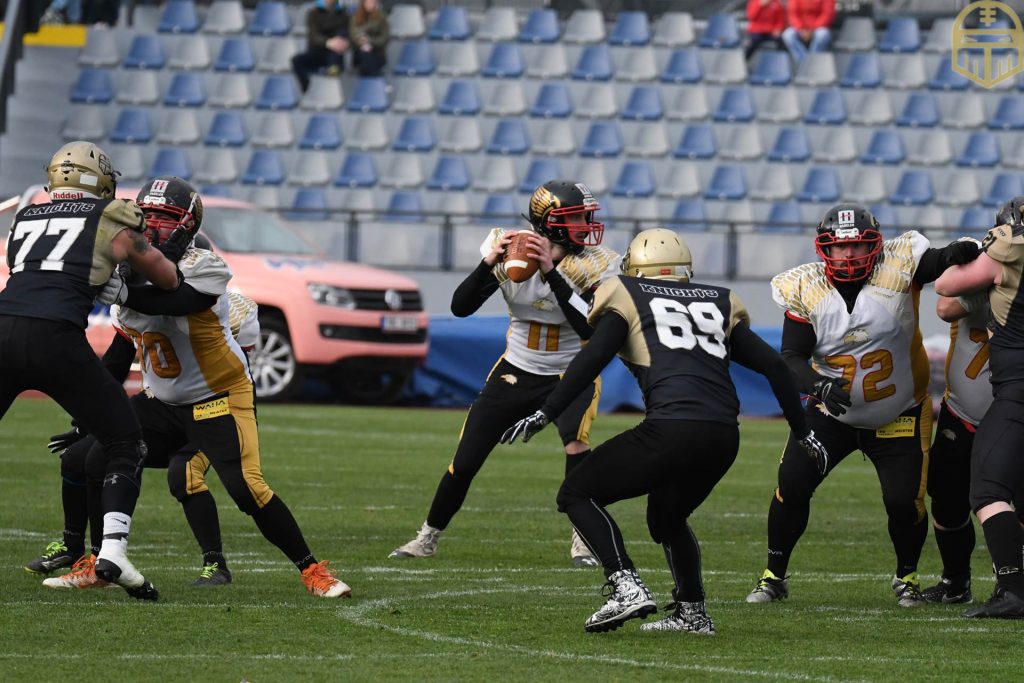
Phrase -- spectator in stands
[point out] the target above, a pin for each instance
(810, 27)
(327, 41)
(766, 21)
(63, 12)
(369, 33)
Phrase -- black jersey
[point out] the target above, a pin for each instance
(59, 253)
(678, 344)
(1006, 345)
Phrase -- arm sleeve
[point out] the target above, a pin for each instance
(118, 357)
(750, 351)
(155, 301)
(609, 336)
(571, 303)
(798, 340)
(472, 292)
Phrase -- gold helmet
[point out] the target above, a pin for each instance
(658, 254)
(79, 170)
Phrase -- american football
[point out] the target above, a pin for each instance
(518, 266)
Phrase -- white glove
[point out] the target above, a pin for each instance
(114, 292)
(816, 450)
(526, 427)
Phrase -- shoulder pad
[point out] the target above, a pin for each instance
(611, 295)
(590, 267)
(1002, 245)
(205, 271)
(125, 212)
(899, 259)
(801, 289)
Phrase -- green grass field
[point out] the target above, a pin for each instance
(499, 602)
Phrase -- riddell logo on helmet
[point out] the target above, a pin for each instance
(67, 194)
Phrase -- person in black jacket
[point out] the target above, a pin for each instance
(327, 42)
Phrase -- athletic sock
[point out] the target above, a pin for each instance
(215, 557)
(201, 513)
(276, 523)
(907, 541)
(786, 524)
(75, 499)
(1003, 537)
(955, 548)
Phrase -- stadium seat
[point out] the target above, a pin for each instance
(132, 126)
(594, 64)
(939, 35)
(637, 64)
(498, 24)
(773, 184)
(264, 168)
(643, 104)
(497, 174)
(235, 55)
(404, 206)
(146, 52)
(827, 108)
(462, 98)
(885, 147)
(1009, 114)
(783, 217)
(230, 90)
(725, 66)
(886, 216)
(413, 96)
(500, 209)
(630, 29)
(727, 182)
(99, 50)
(450, 23)
(791, 145)
(171, 162)
(914, 188)
(964, 110)
(862, 71)
(683, 66)
(981, 151)
(547, 61)
(958, 188)
(932, 149)
(945, 78)
(553, 101)
(505, 61)
(178, 16)
(308, 204)
(357, 170)
(866, 187)
(309, 169)
(584, 27)
(224, 191)
(401, 171)
(721, 31)
(554, 137)
(856, 34)
(179, 127)
(278, 93)
(503, 98)
(370, 95)
(976, 218)
(227, 129)
(696, 142)
(674, 29)
(138, 87)
(406, 21)
(871, 108)
(509, 137)
(905, 72)
(186, 90)
(322, 132)
(270, 18)
(1004, 187)
(458, 59)
(541, 26)
(217, 165)
(773, 67)
(777, 105)
(275, 55)
(415, 59)
(273, 129)
(224, 17)
(460, 135)
(595, 100)
(821, 185)
(818, 70)
(902, 35)
(833, 145)
(191, 52)
(735, 106)
(539, 172)
(450, 173)
(94, 86)
(921, 110)
(645, 140)
(636, 179)
(690, 215)
(603, 139)
(416, 134)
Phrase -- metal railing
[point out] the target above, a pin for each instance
(10, 52)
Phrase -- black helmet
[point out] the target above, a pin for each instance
(563, 211)
(1011, 213)
(169, 203)
(848, 224)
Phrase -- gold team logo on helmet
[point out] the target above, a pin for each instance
(992, 52)
(542, 201)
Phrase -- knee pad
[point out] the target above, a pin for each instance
(566, 497)
(125, 457)
(72, 461)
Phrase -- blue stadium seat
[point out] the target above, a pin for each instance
(783, 217)
(187, 89)
(902, 35)
(863, 71)
(727, 182)
(227, 130)
(594, 64)
(450, 173)
(885, 147)
(981, 150)
(451, 23)
(636, 179)
(265, 168)
(827, 108)
(539, 172)
(404, 206)
(309, 204)
(94, 86)
(505, 61)
(235, 55)
(976, 218)
(461, 99)
(145, 52)
(541, 26)
(603, 139)
(1005, 186)
(696, 142)
(690, 215)
(553, 101)
(945, 78)
(735, 106)
(1009, 113)
(178, 16)
(416, 134)
(643, 104)
(415, 59)
(773, 67)
(217, 191)
(357, 170)
(322, 132)
(171, 162)
(791, 145)
(920, 111)
(509, 138)
(500, 209)
(631, 28)
(820, 185)
(278, 93)
(721, 31)
(370, 95)
(133, 125)
(886, 216)
(683, 66)
(270, 19)
(914, 187)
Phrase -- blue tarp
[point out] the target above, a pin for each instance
(463, 351)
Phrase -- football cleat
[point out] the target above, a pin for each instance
(113, 566)
(321, 582)
(949, 592)
(213, 574)
(908, 590)
(580, 553)
(690, 617)
(55, 556)
(424, 545)
(1002, 605)
(82, 575)
(628, 598)
(769, 588)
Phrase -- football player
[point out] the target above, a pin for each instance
(60, 255)
(997, 470)
(851, 336)
(547, 323)
(677, 337)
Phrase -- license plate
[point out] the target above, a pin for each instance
(402, 324)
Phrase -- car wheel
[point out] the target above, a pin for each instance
(272, 361)
(370, 386)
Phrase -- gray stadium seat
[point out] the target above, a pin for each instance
(457, 58)
(963, 110)
(309, 168)
(401, 171)
(191, 52)
(129, 160)
(101, 49)
(674, 29)
(224, 17)
(230, 90)
(496, 174)
(593, 174)
(366, 132)
(85, 123)
(217, 165)
(460, 134)
(929, 218)
(138, 87)
(871, 108)
(866, 187)
(413, 96)
(178, 127)
(274, 55)
(776, 105)
(739, 143)
(677, 180)
(772, 183)
(594, 100)
(931, 148)
(645, 139)
(957, 187)
(273, 129)
(502, 97)
(833, 145)
(498, 24)
(585, 27)
(856, 34)
(1014, 155)
(816, 71)
(688, 103)
(940, 36)
(324, 94)
(724, 66)
(635, 64)
(553, 137)
(546, 60)
(406, 22)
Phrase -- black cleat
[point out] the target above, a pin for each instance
(1002, 605)
(55, 556)
(949, 592)
(213, 574)
(147, 591)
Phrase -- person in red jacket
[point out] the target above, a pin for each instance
(810, 27)
(766, 20)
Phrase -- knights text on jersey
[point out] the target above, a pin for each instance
(188, 358)
(59, 253)
(968, 387)
(1007, 303)
(678, 344)
(877, 347)
(540, 339)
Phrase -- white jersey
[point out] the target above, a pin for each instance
(968, 389)
(186, 359)
(540, 339)
(244, 320)
(877, 347)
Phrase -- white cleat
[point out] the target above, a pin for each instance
(580, 553)
(113, 566)
(628, 599)
(424, 545)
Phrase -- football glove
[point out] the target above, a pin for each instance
(60, 442)
(816, 450)
(114, 292)
(174, 247)
(832, 395)
(962, 251)
(528, 426)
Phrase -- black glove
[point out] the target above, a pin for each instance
(831, 392)
(816, 450)
(174, 246)
(60, 442)
(528, 426)
(962, 251)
